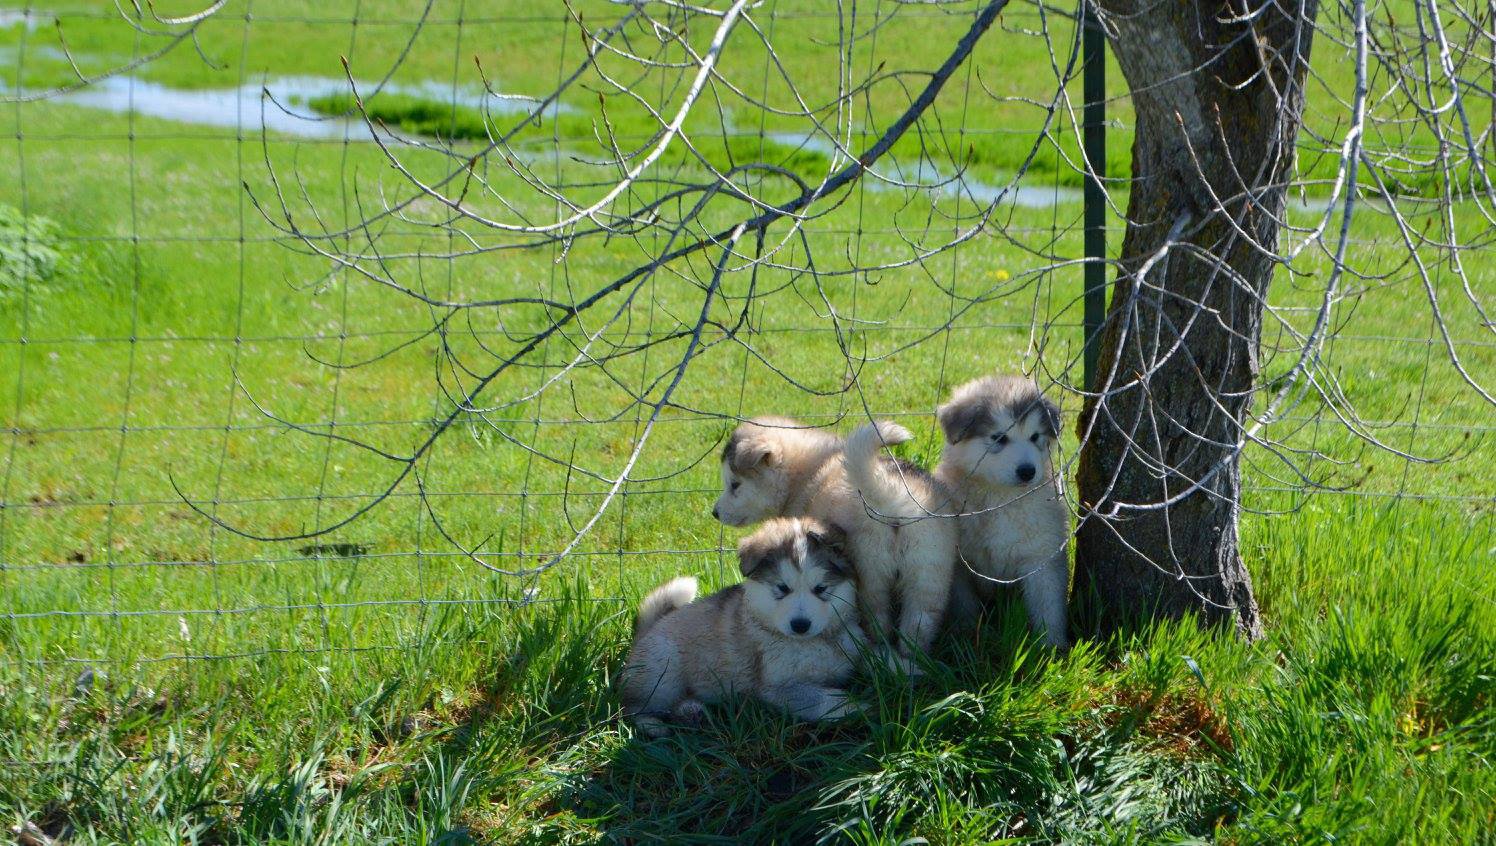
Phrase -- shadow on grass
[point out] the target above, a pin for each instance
(999, 740)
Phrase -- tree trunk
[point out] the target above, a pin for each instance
(1219, 105)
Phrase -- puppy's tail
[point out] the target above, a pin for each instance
(880, 485)
(662, 600)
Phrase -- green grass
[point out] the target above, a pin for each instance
(411, 114)
(29, 253)
(1364, 717)
(415, 115)
(403, 695)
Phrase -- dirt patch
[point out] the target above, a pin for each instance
(1185, 724)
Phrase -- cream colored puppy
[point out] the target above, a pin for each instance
(905, 554)
(788, 635)
(1013, 524)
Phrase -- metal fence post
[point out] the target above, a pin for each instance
(1093, 120)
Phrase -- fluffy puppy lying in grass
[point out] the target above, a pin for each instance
(1014, 527)
(787, 635)
(904, 554)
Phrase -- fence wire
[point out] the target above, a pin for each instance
(316, 325)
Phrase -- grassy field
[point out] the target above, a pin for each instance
(162, 680)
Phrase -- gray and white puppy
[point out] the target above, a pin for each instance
(1012, 521)
(787, 635)
(905, 553)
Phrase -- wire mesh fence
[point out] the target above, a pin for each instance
(320, 321)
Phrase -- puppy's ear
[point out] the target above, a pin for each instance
(745, 452)
(1049, 412)
(827, 536)
(961, 418)
(753, 555)
(832, 539)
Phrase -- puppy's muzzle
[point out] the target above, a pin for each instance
(799, 625)
(1025, 472)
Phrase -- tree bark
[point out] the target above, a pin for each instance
(1217, 89)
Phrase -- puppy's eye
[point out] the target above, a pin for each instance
(1000, 440)
(733, 488)
(1034, 438)
(784, 589)
(820, 590)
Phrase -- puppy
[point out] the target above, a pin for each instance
(788, 635)
(1013, 525)
(905, 554)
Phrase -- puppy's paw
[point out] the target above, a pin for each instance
(690, 712)
(892, 433)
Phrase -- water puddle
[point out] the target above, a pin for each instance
(236, 108)
(944, 184)
(30, 18)
(935, 180)
(12, 55)
(284, 111)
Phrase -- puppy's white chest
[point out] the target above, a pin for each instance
(1006, 537)
(804, 661)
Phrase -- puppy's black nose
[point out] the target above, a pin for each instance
(799, 625)
(1026, 472)
(715, 515)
